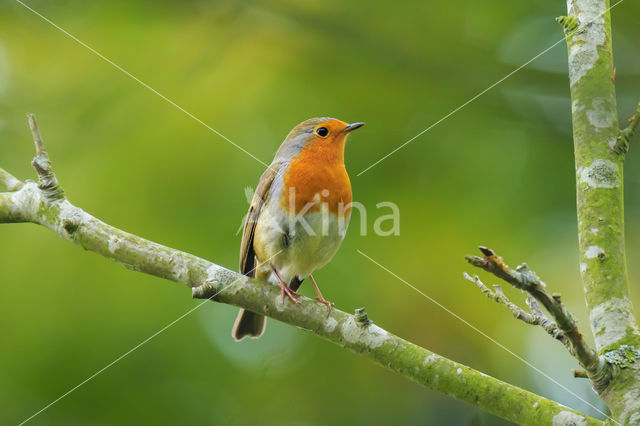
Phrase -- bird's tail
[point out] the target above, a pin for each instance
(248, 324)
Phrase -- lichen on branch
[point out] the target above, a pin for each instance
(599, 146)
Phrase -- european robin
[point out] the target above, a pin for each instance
(298, 215)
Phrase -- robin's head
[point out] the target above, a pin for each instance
(327, 134)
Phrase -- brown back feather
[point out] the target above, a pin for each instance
(247, 253)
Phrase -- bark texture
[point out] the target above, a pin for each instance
(599, 176)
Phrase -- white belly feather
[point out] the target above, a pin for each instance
(304, 249)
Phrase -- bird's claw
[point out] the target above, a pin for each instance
(325, 302)
(286, 291)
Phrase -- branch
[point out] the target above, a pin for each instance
(564, 329)
(498, 296)
(535, 317)
(8, 181)
(580, 374)
(600, 201)
(31, 203)
(599, 176)
(47, 180)
(621, 145)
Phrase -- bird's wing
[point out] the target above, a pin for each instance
(247, 253)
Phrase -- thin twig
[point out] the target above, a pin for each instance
(535, 317)
(10, 182)
(47, 180)
(580, 374)
(546, 323)
(37, 138)
(564, 329)
(498, 296)
(621, 145)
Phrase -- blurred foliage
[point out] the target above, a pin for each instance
(499, 172)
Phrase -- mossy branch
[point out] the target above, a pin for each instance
(599, 146)
(621, 145)
(32, 203)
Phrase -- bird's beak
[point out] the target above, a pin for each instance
(353, 126)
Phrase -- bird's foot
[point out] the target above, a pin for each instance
(286, 291)
(295, 293)
(328, 304)
(320, 298)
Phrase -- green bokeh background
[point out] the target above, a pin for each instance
(499, 172)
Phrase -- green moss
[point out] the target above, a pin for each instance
(601, 208)
(70, 226)
(48, 212)
(361, 317)
(630, 339)
(569, 23)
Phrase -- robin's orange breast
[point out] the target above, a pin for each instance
(319, 169)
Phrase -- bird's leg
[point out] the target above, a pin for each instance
(283, 286)
(320, 298)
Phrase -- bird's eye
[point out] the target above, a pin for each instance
(322, 131)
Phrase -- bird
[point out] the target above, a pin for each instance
(298, 215)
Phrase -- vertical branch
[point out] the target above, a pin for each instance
(598, 173)
(599, 177)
